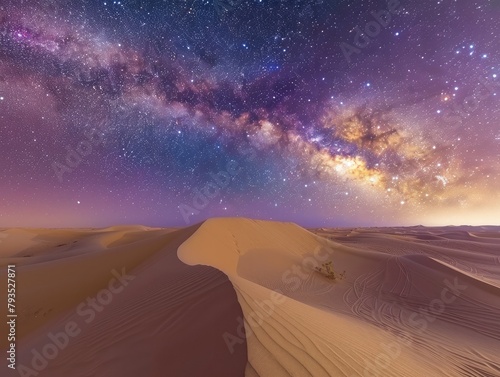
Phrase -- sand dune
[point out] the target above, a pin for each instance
(240, 297)
(357, 326)
(168, 320)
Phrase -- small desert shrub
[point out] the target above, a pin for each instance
(326, 270)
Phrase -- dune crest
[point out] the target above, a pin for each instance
(394, 314)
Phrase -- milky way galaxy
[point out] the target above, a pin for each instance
(319, 112)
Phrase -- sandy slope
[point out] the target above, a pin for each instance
(414, 301)
(167, 321)
(387, 317)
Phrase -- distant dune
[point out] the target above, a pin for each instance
(240, 297)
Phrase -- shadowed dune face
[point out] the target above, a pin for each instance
(166, 320)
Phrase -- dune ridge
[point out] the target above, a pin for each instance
(344, 327)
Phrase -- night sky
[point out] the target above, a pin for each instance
(321, 112)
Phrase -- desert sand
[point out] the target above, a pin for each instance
(240, 297)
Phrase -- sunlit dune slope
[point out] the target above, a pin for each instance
(393, 314)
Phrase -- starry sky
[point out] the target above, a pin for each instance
(321, 112)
